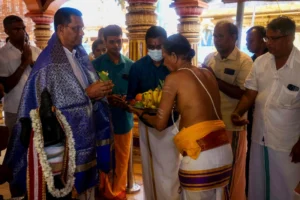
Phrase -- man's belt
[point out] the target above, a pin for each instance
(213, 140)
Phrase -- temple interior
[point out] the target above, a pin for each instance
(195, 19)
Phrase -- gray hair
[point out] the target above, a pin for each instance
(233, 30)
(284, 24)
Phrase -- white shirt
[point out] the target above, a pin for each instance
(10, 60)
(277, 108)
(76, 68)
(233, 70)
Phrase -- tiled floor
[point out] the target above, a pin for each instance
(137, 169)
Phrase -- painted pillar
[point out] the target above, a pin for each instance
(189, 12)
(140, 17)
(42, 12)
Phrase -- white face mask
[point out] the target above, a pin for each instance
(155, 54)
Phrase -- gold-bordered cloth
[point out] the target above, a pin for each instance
(201, 180)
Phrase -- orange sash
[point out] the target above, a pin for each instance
(186, 139)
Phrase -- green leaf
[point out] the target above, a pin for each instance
(161, 83)
(103, 76)
(139, 105)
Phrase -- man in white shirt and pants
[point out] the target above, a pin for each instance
(273, 85)
(16, 59)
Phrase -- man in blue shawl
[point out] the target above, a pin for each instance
(64, 69)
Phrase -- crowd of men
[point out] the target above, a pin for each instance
(238, 135)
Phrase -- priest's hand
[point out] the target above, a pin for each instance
(295, 153)
(136, 111)
(99, 89)
(238, 120)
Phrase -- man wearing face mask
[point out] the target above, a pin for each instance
(157, 148)
(16, 59)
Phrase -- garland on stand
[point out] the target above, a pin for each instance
(38, 141)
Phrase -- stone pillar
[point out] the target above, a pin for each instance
(189, 12)
(139, 19)
(42, 12)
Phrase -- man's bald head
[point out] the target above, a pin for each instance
(230, 27)
(225, 36)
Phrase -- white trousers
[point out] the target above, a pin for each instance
(284, 175)
(160, 163)
(210, 159)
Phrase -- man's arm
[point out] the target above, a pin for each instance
(237, 91)
(248, 99)
(11, 81)
(244, 104)
(230, 90)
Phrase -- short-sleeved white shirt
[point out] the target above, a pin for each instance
(277, 106)
(10, 60)
(233, 70)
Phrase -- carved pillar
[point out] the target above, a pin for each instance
(139, 18)
(42, 13)
(42, 30)
(189, 12)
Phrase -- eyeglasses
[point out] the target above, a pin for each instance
(76, 29)
(272, 39)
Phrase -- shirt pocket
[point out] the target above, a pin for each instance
(287, 98)
(229, 75)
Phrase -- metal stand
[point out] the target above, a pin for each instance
(131, 186)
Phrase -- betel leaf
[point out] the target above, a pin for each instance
(103, 76)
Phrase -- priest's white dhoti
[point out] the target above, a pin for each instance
(160, 163)
(212, 169)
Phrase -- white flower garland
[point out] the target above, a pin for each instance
(38, 140)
